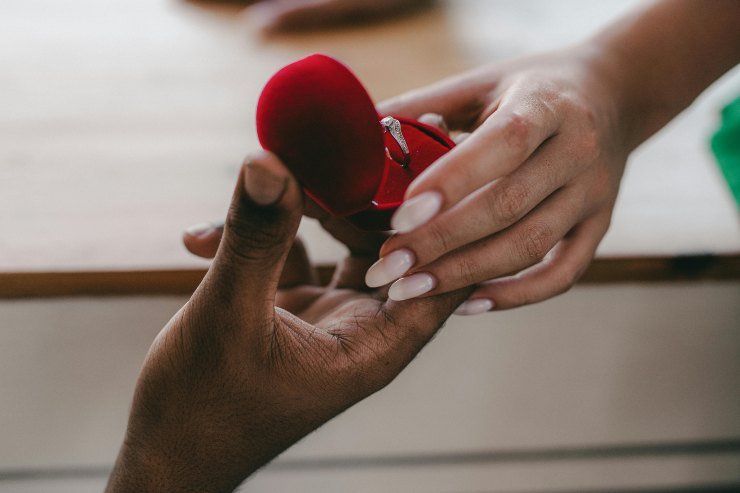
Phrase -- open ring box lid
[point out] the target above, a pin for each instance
(319, 119)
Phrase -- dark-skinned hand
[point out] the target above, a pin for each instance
(261, 355)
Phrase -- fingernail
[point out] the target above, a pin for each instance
(262, 185)
(416, 211)
(475, 307)
(435, 120)
(201, 229)
(389, 268)
(412, 286)
(459, 138)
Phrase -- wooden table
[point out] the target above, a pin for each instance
(123, 122)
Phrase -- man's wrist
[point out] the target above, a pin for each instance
(142, 469)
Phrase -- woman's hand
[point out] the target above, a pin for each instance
(301, 15)
(233, 380)
(520, 205)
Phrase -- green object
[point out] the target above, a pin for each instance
(726, 147)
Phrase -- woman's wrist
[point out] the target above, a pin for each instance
(629, 89)
(658, 59)
(635, 88)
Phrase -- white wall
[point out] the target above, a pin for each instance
(597, 367)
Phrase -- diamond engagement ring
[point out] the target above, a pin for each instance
(393, 127)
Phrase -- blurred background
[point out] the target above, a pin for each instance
(124, 121)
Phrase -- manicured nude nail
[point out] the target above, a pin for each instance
(389, 268)
(435, 120)
(459, 138)
(475, 307)
(412, 286)
(416, 211)
(201, 229)
(262, 185)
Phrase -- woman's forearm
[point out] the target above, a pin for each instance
(661, 57)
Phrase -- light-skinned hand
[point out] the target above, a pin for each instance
(520, 205)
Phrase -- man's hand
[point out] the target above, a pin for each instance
(232, 380)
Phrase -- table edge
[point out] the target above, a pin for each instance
(183, 281)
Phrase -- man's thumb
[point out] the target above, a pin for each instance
(260, 228)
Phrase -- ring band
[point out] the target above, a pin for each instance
(393, 127)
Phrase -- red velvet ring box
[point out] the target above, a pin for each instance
(319, 119)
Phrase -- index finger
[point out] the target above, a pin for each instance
(457, 99)
(502, 143)
(416, 321)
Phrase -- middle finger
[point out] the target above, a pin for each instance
(489, 210)
(516, 248)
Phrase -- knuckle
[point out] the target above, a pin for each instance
(438, 240)
(588, 115)
(536, 241)
(509, 201)
(468, 271)
(517, 132)
(250, 239)
(566, 103)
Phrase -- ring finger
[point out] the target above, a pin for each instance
(516, 248)
(488, 210)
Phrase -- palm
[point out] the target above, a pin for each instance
(299, 291)
(326, 306)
